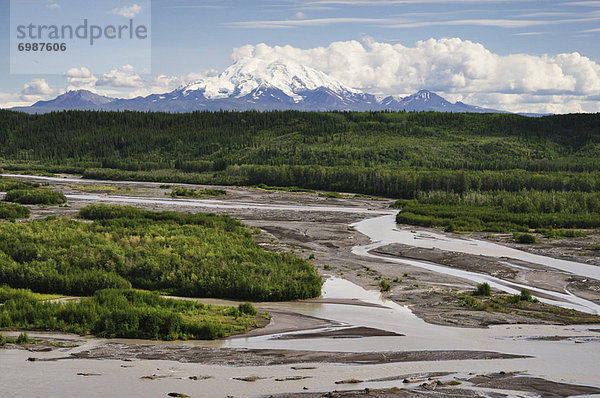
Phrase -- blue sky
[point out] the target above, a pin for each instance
(537, 56)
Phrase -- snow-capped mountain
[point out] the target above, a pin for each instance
(254, 84)
(250, 76)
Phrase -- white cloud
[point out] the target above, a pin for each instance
(37, 87)
(10, 100)
(36, 90)
(80, 79)
(449, 65)
(164, 83)
(128, 11)
(52, 4)
(300, 15)
(124, 76)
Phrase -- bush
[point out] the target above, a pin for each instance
(35, 197)
(196, 193)
(525, 295)
(8, 184)
(122, 313)
(197, 255)
(248, 309)
(483, 289)
(524, 238)
(384, 286)
(10, 211)
(23, 339)
(2, 340)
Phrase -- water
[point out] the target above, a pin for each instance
(573, 360)
(220, 204)
(564, 361)
(382, 231)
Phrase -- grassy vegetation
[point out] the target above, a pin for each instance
(524, 304)
(35, 197)
(501, 211)
(283, 189)
(10, 211)
(347, 196)
(124, 313)
(8, 184)
(6, 293)
(199, 255)
(95, 187)
(552, 233)
(196, 193)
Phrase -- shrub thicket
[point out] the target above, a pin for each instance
(199, 255)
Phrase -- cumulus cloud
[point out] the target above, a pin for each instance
(448, 65)
(124, 76)
(128, 11)
(36, 90)
(80, 79)
(165, 83)
(37, 87)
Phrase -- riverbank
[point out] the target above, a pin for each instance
(351, 336)
(316, 228)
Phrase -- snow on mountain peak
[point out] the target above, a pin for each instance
(423, 95)
(248, 74)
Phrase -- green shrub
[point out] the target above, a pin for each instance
(248, 309)
(384, 286)
(571, 233)
(525, 295)
(524, 238)
(2, 340)
(196, 193)
(198, 255)
(10, 211)
(35, 197)
(24, 339)
(123, 313)
(483, 289)
(9, 184)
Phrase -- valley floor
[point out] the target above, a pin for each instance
(381, 342)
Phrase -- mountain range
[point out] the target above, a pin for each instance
(253, 84)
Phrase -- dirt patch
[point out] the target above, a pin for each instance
(571, 249)
(266, 357)
(496, 385)
(288, 321)
(545, 388)
(348, 333)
